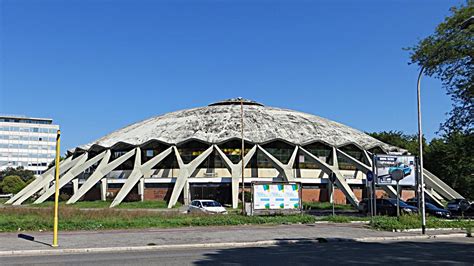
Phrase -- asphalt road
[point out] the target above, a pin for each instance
(441, 252)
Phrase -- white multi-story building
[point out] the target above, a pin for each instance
(28, 142)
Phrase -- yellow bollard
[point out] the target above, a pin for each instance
(56, 195)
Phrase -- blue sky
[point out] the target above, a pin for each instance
(96, 66)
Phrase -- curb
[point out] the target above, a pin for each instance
(427, 229)
(395, 238)
(215, 245)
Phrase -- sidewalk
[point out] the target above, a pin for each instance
(197, 235)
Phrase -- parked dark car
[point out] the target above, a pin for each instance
(459, 206)
(388, 207)
(431, 209)
(427, 200)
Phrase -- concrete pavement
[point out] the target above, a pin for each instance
(192, 235)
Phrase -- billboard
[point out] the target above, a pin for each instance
(282, 196)
(390, 167)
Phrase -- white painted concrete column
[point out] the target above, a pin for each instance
(329, 189)
(103, 189)
(141, 189)
(186, 193)
(75, 185)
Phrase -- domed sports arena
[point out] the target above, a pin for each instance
(196, 154)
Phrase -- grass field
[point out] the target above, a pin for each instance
(22, 219)
(414, 221)
(71, 218)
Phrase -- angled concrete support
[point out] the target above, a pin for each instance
(368, 157)
(139, 170)
(440, 187)
(431, 180)
(185, 171)
(433, 197)
(358, 164)
(50, 178)
(286, 170)
(70, 175)
(236, 172)
(102, 169)
(340, 181)
(65, 164)
(392, 193)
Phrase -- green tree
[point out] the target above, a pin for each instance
(448, 54)
(399, 139)
(12, 184)
(451, 158)
(23, 173)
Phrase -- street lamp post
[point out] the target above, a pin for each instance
(242, 155)
(463, 26)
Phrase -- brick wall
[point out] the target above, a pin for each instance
(321, 195)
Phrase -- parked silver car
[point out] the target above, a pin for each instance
(206, 206)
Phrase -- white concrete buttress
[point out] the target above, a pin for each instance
(340, 181)
(50, 172)
(286, 170)
(185, 171)
(236, 171)
(50, 178)
(70, 175)
(102, 169)
(139, 170)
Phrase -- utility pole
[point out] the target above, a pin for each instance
(56, 195)
(242, 152)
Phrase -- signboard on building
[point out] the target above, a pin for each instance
(276, 196)
(389, 167)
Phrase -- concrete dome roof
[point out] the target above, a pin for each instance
(220, 121)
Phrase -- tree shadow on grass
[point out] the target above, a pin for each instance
(311, 253)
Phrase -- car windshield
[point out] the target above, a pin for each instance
(455, 201)
(211, 204)
(402, 203)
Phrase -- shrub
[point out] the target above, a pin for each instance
(64, 197)
(12, 184)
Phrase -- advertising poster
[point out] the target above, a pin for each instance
(276, 196)
(261, 196)
(387, 165)
(292, 196)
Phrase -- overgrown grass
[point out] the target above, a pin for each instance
(414, 221)
(21, 219)
(151, 204)
(314, 205)
(3, 200)
(343, 218)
